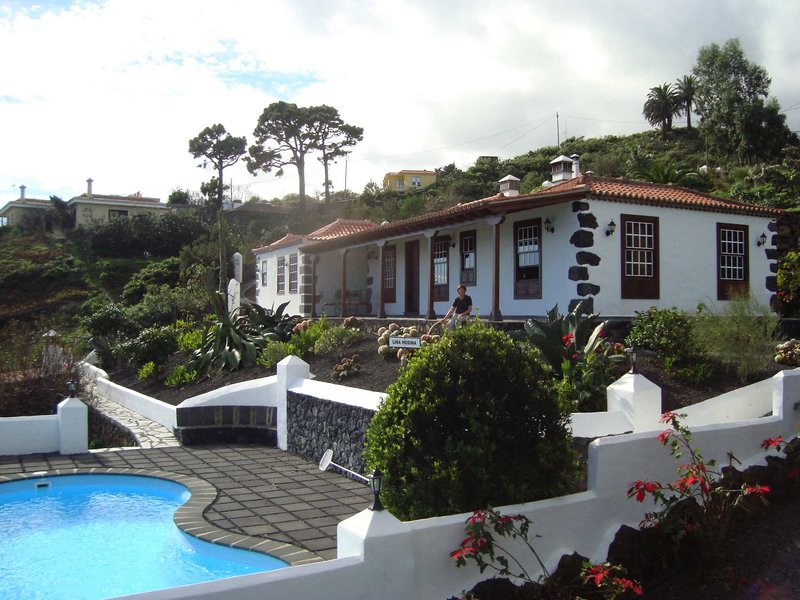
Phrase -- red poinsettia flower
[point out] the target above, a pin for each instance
(627, 584)
(464, 552)
(667, 417)
(596, 573)
(640, 489)
(757, 489)
(772, 442)
(567, 339)
(664, 436)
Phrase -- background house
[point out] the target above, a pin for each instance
(90, 207)
(28, 213)
(408, 180)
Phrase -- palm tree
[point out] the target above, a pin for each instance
(687, 90)
(662, 104)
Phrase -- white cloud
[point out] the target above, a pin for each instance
(114, 89)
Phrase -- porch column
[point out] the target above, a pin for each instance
(430, 313)
(381, 310)
(343, 252)
(495, 223)
(314, 262)
(306, 273)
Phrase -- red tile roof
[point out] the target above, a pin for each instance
(288, 240)
(582, 187)
(340, 228)
(640, 192)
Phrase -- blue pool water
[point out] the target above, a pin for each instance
(99, 536)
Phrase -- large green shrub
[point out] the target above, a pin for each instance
(788, 296)
(742, 337)
(666, 331)
(472, 421)
(161, 272)
(153, 344)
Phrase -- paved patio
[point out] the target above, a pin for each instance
(262, 492)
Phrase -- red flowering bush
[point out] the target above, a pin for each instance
(699, 501)
(608, 579)
(481, 544)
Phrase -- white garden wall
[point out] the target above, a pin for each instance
(381, 557)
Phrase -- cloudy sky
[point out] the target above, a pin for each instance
(114, 89)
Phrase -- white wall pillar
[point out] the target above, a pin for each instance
(639, 399)
(289, 371)
(384, 543)
(73, 426)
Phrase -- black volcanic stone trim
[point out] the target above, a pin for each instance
(587, 258)
(772, 253)
(578, 273)
(773, 267)
(574, 303)
(314, 425)
(586, 289)
(189, 517)
(587, 220)
(582, 239)
(772, 283)
(772, 226)
(579, 206)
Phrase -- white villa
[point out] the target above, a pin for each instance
(626, 245)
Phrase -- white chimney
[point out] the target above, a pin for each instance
(561, 168)
(576, 165)
(509, 186)
(22, 191)
(89, 187)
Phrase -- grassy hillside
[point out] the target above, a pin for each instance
(39, 274)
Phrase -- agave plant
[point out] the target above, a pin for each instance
(556, 333)
(230, 343)
(272, 324)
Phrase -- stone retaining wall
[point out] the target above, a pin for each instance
(315, 425)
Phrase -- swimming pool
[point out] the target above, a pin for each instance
(98, 536)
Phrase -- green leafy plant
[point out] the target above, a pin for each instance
(337, 337)
(666, 331)
(189, 340)
(589, 371)
(458, 411)
(742, 337)
(273, 353)
(147, 370)
(180, 376)
(699, 502)
(153, 344)
(306, 334)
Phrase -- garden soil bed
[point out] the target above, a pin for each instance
(375, 374)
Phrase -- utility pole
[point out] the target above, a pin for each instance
(558, 131)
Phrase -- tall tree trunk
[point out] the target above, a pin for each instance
(220, 191)
(327, 182)
(688, 115)
(301, 173)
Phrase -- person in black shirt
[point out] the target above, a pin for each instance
(460, 309)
